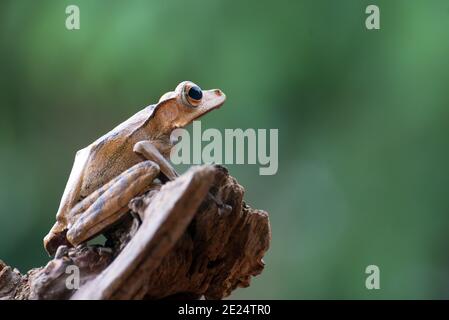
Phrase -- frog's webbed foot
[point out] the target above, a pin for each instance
(108, 204)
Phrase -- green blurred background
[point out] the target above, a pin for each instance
(362, 118)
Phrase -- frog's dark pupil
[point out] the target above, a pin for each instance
(195, 93)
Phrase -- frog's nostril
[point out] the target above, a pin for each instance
(218, 92)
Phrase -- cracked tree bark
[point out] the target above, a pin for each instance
(197, 238)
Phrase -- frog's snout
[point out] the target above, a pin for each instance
(220, 94)
(214, 98)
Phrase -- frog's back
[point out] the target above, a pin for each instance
(103, 160)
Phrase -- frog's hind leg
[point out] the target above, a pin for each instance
(109, 203)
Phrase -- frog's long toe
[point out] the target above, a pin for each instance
(53, 240)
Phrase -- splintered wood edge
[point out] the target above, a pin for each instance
(9, 280)
(165, 220)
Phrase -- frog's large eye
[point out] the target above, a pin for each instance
(193, 95)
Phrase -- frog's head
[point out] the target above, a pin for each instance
(178, 108)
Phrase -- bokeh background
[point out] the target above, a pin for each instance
(362, 118)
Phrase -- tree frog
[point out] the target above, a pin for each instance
(120, 165)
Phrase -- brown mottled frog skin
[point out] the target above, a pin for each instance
(120, 165)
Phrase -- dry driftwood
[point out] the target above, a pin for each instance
(196, 238)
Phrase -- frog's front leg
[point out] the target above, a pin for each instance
(109, 203)
(150, 152)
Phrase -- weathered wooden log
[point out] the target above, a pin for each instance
(197, 238)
